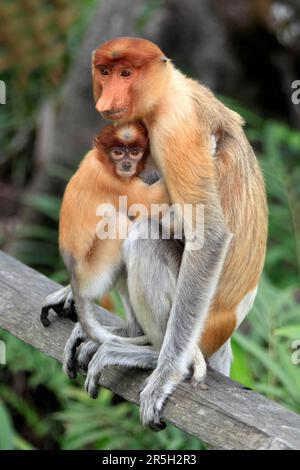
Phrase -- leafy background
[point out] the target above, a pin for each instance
(39, 407)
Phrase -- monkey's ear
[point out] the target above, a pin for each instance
(97, 89)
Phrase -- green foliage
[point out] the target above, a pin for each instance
(38, 245)
(38, 42)
(263, 357)
(101, 424)
(43, 378)
(280, 159)
(6, 429)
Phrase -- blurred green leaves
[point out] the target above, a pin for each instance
(263, 357)
(291, 331)
(6, 429)
(101, 424)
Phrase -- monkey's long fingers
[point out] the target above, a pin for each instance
(85, 354)
(95, 369)
(91, 384)
(58, 309)
(104, 357)
(152, 401)
(70, 362)
(69, 310)
(153, 398)
(44, 316)
(55, 301)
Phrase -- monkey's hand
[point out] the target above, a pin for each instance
(159, 386)
(153, 398)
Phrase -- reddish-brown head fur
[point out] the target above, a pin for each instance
(135, 52)
(129, 135)
(117, 68)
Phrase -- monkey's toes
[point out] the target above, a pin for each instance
(68, 311)
(92, 387)
(44, 317)
(71, 368)
(46, 322)
(156, 427)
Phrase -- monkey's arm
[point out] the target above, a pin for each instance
(190, 180)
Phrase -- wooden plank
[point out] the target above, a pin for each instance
(227, 415)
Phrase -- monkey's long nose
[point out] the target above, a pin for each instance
(104, 104)
(106, 101)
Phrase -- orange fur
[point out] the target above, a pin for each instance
(180, 116)
(94, 184)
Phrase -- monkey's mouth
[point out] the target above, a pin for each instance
(126, 174)
(114, 114)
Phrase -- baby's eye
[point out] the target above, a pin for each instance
(136, 153)
(117, 153)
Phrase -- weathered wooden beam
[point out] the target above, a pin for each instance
(226, 416)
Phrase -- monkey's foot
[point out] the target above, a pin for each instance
(85, 354)
(62, 303)
(60, 310)
(101, 359)
(70, 365)
(91, 384)
(45, 312)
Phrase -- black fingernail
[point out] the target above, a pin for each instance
(72, 374)
(72, 369)
(162, 425)
(157, 427)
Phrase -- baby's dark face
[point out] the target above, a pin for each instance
(126, 159)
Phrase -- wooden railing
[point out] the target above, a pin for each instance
(226, 416)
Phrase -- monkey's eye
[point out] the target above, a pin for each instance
(136, 153)
(117, 153)
(126, 73)
(104, 70)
